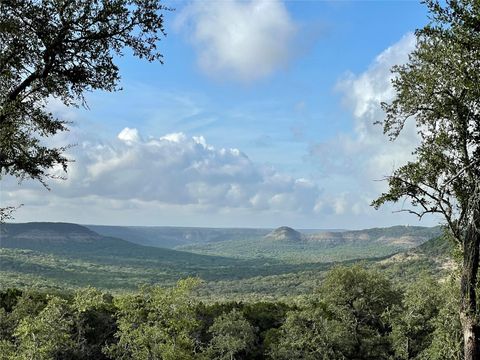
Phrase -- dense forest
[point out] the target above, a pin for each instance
(356, 313)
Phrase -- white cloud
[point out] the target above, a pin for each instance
(129, 135)
(176, 179)
(175, 169)
(240, 40)
(351, 162)
(364, 93)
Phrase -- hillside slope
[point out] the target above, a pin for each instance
(437, 257)
(290, 245)
(171, 237)
(57, 254)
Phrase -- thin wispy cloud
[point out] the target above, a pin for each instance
(353, 162)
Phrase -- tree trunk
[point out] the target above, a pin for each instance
(468, 312)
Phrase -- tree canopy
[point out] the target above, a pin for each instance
(439, 89)
(59, 50)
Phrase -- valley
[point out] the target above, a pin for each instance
(233, 263)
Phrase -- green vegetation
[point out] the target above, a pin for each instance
(261, 308)
(438, 90)
(301, 305)
(294, 253)
(69, 256)
(172, 236)
(355, 313)
(291, 246)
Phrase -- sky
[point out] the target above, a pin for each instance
(262, 115)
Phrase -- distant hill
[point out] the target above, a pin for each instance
(44, 234)
(285, 234)
(73, 255)
(78, 241)
(282, 262)
(290, 245)
(435, 256)
(440, 246)
(403, 236)
(60, 238)
(171, 237)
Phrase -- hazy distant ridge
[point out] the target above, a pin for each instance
(171, 237)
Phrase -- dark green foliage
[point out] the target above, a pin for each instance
(413, 325)
(427, 325)
(94, 324)
(9, 298)
(232, 337)
(447, 339)
(264, 317)
(362, 298)
(69, 255)
(356, 314)
(62, 326)
(173, 236)
(442, 246)
(310, 333)
(347, 319)
(156, 323)
(438, 89)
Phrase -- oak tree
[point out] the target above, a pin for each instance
(232, 337)
(439, 89)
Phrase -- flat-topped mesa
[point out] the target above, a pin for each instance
(285, 234)
(48, 232)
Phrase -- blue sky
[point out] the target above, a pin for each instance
(260, 116)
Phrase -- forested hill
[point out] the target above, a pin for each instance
(171, 236)
(70, 255)
(203, 239)
(408, 235)
(78, 242)
(323, 246)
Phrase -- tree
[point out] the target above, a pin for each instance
(414, 322)
(232, 335)
(362, 298)
(349, 320)
(439, 89)
(93, 324)
(446, 341)
(41, 337)
(60, 49)
(311, 333)
(156, 323)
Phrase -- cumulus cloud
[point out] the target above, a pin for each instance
(240, 40)
(129, 135)
(177, 179)
(176, 169)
